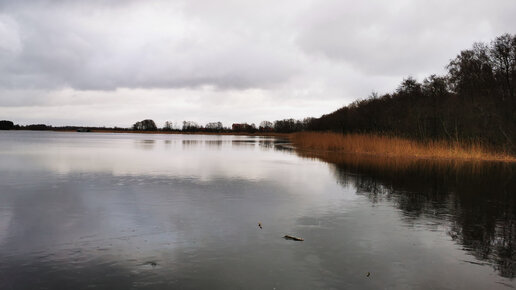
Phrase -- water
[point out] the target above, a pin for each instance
(142, 211)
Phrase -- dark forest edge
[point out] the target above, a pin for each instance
(475, 102)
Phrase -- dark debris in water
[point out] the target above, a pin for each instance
(150, 263)
(289, 237)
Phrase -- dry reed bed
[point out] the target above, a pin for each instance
(369, 144)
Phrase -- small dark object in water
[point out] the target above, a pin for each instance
(260, 225)
(368, 274)
(151, 263)
(288, 237)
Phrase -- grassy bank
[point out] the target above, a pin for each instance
(386, 146)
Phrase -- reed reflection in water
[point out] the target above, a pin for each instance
(474, 201)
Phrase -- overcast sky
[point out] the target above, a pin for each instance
(114, 62)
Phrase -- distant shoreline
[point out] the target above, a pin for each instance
(264, 134)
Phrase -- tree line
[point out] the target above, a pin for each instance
(474, 101)
(279, 126)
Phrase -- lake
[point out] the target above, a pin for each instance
(156, 211)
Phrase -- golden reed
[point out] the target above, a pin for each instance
(387, 146)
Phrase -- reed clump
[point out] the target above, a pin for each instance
(388, 146)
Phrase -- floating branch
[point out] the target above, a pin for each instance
(288, 237)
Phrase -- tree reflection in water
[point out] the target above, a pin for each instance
(474, 201)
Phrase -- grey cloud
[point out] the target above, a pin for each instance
(401, 37)
(65, 45)
(104, 45)
(118, 60)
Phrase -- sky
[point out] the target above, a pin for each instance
(114, 62)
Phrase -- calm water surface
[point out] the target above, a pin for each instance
(138, 211)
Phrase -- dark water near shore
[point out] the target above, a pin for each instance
(137, 211)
